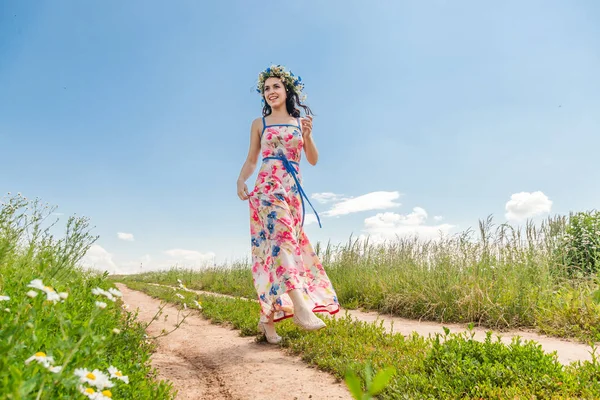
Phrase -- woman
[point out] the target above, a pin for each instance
(288, 276)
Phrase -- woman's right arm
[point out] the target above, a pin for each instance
(251, 160)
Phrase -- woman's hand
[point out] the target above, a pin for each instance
(242, 191)
(306, 124)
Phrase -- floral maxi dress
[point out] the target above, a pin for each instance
(282, 256)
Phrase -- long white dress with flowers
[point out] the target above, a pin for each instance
(282, 255)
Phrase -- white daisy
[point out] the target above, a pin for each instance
(40, 357)
(52, 296)
(4, 298)
(101, 292)
(89, 392)
(117, 331)
(37, 284)
(115, 292)
(115, 373)
(101, 304)
(104, 395)
(55, 369)
(63, 295)
(95, 378)
(32, 293)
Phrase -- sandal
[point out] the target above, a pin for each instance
(274, 339)
(315, 325)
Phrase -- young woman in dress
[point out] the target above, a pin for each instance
(287, 274)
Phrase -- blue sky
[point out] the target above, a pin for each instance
(137, 114)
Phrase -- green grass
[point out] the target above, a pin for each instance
(446, 366)
(74, 331)
(501, 278)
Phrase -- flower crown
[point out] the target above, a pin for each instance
(287, 77)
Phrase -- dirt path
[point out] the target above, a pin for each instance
(206, 361)
(566, 350)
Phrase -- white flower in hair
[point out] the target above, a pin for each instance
(287, 77)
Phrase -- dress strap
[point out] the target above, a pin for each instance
(264, 127)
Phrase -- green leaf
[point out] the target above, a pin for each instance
(353, 384)
(368, 375)
(381, 380)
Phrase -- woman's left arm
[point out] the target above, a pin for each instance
(310, 149)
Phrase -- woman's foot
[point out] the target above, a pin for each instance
(307, 320)
(303, 315)
(269, 331)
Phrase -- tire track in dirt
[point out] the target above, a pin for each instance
(206, 361)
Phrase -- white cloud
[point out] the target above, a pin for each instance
(100, 259)
(125, 236)
(525, 205)
(370, 201)
(310, 219)
(326, 197)
(390, 225)
(438, 218)
(97, 258)
(143, 264)
(187, 256)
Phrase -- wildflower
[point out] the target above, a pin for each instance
(179, 295)
(37, 284)
(117, 331)
(101, 304)
(89, 392)
(184, 306)
(4, 298)
(198, 305)
(105, 395)
(97, 291)
(63, 295)
(42, 358)
(51, 295)
(32, 294)
(55, 369)
(95, 378)
(115, 292)
(115, 373)
(7, 309)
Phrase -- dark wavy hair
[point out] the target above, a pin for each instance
(292, 101)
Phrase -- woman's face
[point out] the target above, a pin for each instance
(274, 92)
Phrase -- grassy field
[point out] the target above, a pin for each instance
(498, 277)
(448, 366)
(64, 333)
